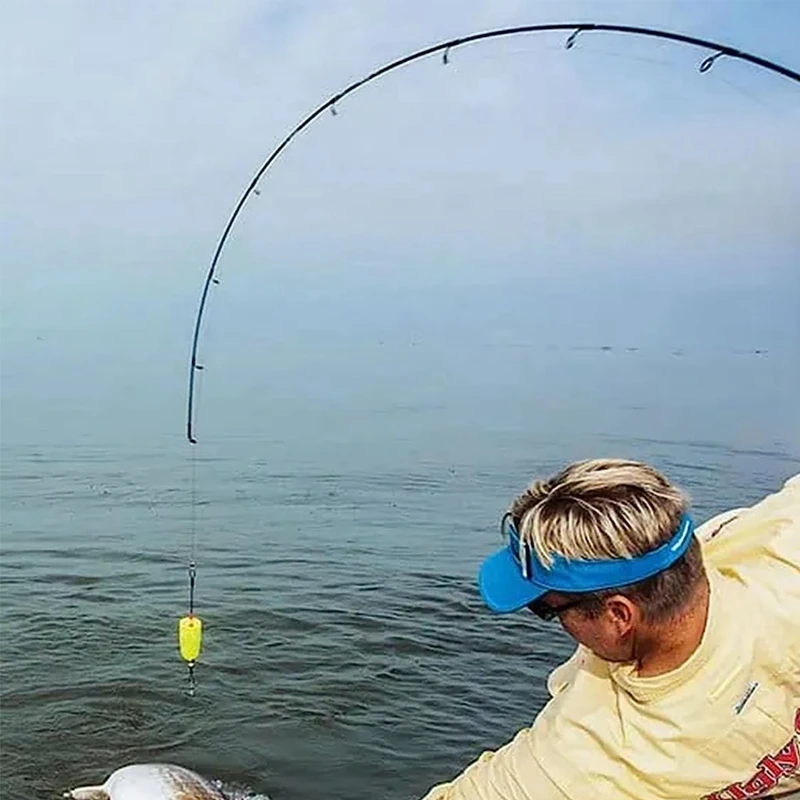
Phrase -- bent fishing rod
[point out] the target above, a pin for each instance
(717, 51)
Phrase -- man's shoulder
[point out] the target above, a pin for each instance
(759, 544)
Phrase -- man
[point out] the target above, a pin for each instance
(686, 681)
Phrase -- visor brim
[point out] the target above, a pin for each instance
(502, 586)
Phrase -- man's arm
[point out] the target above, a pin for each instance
(510, 773)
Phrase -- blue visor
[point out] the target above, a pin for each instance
(514, 576)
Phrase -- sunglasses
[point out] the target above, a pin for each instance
(547, 612)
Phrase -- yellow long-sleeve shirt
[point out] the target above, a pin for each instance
(725, 725)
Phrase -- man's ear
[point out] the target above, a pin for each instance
(622, 613)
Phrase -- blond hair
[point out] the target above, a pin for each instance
(603, 508)
(611, 508)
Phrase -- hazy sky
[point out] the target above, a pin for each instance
(130, 129)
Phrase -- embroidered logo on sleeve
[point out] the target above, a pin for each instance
(771, 769)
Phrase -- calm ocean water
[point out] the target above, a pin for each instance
(339, 525)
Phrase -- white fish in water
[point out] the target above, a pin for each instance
(150, 782)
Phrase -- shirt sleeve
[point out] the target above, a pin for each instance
(510, 773)
(758, 537)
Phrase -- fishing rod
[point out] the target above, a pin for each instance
(717, 49)
(190, 626)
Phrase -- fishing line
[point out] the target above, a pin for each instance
(748, 95)
(190, 626)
